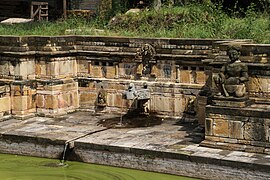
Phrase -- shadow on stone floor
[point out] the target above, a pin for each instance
(194, 132)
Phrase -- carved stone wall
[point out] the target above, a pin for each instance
(242, 128)
(62, 74)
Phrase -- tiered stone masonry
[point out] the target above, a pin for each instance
(52, 76)
(242, 123)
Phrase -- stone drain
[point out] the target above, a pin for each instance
(69, 144)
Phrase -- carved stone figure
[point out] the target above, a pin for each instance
(131, 92)
(233, 75)
(146, 54)
(102, 96)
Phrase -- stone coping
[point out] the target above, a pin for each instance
(255, 110)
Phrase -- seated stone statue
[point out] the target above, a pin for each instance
(102, 96)
(233, 75)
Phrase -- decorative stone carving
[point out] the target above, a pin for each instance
(140, 97)
(146, 54)
(102, 98)
(167, 70)
(233, 75)
(131, 92)
(15, 62)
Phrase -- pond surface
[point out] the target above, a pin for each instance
(30, 168)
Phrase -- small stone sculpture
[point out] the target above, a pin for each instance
(102, 96)
(147, 55)
(233, 75)
(131, 92)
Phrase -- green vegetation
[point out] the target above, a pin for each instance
(25, 168)
(187, 21)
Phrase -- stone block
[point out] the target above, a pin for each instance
(254, 149)
(41, 68)
(185, 76)
(241, 141)
(178, 108)
(96, 71)
(40, 101)
(236, 130)
(230, 140)
(63, 100)
(128, 69)
(52, 69)
(88, 97)
(231, 102)
(4, 67)
(221, 128)
(254, 131)
(38, 69)
(75, 99)
(212, 138)
(25, 68)
(19, 103)
(110, 74)
(201, 104)
(208, 126)
(5, 104)
(82, 66)
(161, 104)
(115, 99)
(112, 100)
(68, 67)
(201, 78)
(260, 143)
(258, 84)
(51, 102)
(31, 101)
(116, 86)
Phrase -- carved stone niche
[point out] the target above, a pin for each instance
(145, 57)
(102, 97)
(15, 62)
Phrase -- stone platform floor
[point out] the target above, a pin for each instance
(171, 136)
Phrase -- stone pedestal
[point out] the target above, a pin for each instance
(231, 101)
(57, 97)
(236, 128)
(23, 104)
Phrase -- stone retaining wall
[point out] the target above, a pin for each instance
(57, 75)
(148, 160)
(62, 74)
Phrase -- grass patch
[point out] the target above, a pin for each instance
(189, 21)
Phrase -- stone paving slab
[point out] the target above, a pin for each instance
(170, 137)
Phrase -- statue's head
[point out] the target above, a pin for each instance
(234, 52)
(131, 86)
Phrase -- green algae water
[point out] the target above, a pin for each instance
(13, 167)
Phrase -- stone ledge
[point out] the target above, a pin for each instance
(149, 155)
(245, 112)
(235, 147)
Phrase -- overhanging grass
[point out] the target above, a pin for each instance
(191, 21)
